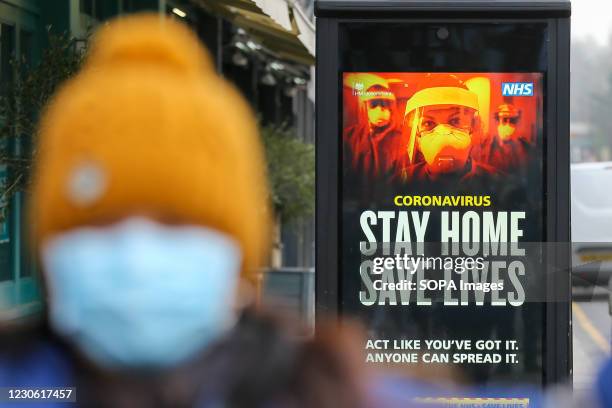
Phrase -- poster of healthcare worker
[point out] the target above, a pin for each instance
(437, 127)
(442, 205)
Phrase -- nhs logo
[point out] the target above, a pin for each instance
(517, 88)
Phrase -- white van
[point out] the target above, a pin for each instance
(591, 223)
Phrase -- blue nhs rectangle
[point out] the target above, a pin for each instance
(517, 88)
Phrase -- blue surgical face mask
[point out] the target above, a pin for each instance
(140, 294)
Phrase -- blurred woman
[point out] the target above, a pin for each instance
(150, 218)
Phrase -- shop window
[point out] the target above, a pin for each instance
(95, 8)
(87, 7)
(7, 52)
(26, 47)
(6, 270)
(27, 257)
(130, 6)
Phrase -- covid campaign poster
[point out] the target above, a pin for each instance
(442, 216)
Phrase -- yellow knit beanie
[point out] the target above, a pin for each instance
(148, 128)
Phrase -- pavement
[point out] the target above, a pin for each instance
(591, 339)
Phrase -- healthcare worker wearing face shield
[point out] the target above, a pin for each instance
(379, 107)
(373, 145)
(443, 125)
(508, 151)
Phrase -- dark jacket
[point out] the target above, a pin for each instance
(510, 155)
(373, 154)
(260, 363)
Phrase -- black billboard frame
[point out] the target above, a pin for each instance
(558, 334)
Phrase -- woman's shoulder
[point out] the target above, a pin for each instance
(31, 358)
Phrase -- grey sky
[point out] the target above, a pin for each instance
(592, 18)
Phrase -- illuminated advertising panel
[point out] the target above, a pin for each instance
(443, 186)
(442, 204)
